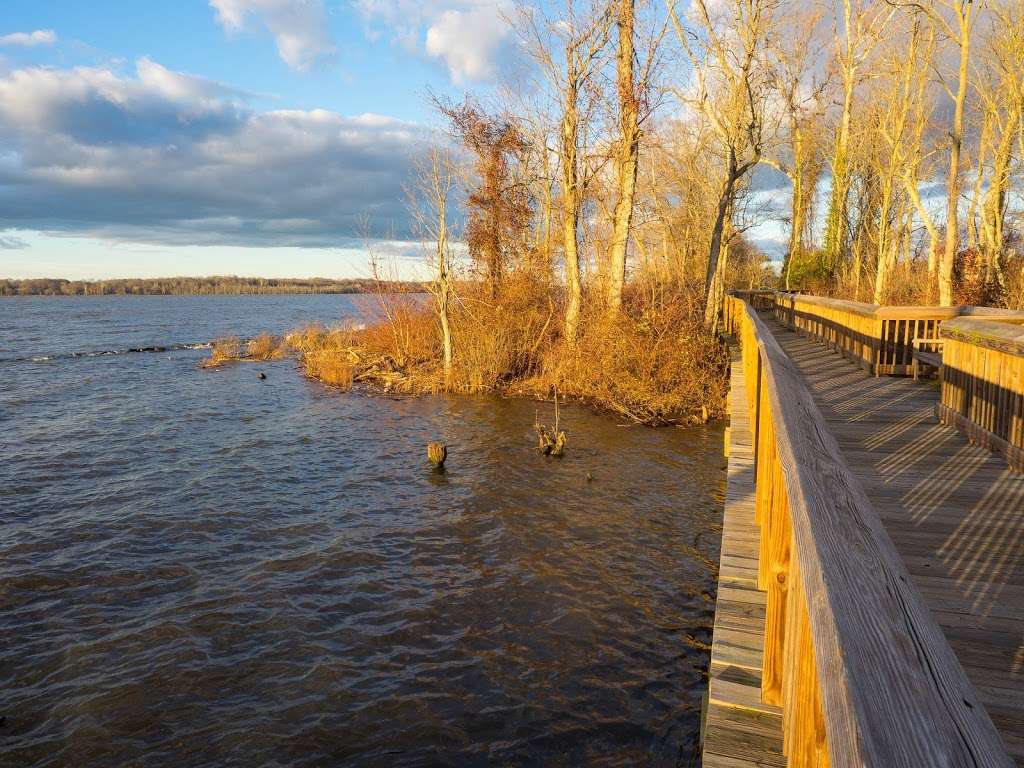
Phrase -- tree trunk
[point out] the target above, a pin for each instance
(444, 286)
(953, 190)
(627, 155)
(713, 290)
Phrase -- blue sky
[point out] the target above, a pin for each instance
(229, 136)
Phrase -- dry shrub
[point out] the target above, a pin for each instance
(223, 350)
(501, 339)
(325, 354)
(655, 363)
(331, 366)
(264, 347)
(407, 336)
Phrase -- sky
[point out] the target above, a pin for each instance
(251, 137)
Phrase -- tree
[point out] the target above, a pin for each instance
(1000, 88)
(958, 29)
(429, 201)
(499, 206)
(732, 90)
(896, 108)
(803, 87)
(583, 38)
(863, 28)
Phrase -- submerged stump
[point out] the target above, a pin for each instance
(549, 441)
(437, 453)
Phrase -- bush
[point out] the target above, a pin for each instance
(655, 363)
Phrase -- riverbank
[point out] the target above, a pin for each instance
(653, 363)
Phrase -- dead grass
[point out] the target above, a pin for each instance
(654, 364)
(264, 347)
(231, 349)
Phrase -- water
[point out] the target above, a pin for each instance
(202, 568)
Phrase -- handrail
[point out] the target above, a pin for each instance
(861, 669)
(983, 384)
(880, 338)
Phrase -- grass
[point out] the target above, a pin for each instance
(231, 349)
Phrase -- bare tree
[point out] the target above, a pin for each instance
(863, 25)
(955, 20)
(430, 201)
(1000, 87)
(583, 37)
(895, 101)
(732, 90)
(803, 86)
(632, 94)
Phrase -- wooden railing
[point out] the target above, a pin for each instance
(852, 654)
(878, 338)
(983, 384)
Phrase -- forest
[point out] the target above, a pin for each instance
(186, 286)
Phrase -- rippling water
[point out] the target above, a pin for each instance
(200, 568)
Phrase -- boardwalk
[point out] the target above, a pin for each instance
(739, 730)
(955, 513)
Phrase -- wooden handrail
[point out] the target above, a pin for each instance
(858, 663)
(877, 337)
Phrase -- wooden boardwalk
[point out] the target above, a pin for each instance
(954, 511)
(739, 730)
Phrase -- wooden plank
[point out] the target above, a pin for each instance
(739, 730)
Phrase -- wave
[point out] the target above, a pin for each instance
(108, 352)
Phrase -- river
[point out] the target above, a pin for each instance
(203, 568)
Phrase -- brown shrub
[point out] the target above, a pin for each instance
(264, 347)
(331, 366)
(655, 363)
(223, 350)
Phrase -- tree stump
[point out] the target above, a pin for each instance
(437, 453)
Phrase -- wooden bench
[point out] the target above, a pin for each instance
(925, 352)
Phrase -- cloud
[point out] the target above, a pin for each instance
(472, 38)
(299, 27)
(167, 157)
(30, 39)
(12, 242)
(470, 42)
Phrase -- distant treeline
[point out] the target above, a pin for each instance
(178, 286)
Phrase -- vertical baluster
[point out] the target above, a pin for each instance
(779, 535)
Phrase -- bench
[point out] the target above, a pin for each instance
(925, 352)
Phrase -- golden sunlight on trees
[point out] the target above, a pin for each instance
(629, 172)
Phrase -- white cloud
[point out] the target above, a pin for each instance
(30, 39)
(163, 156)
(472, 38)
(299, 27)
(470, 42)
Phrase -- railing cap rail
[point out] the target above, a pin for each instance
(906, 311)
(892, 690)
(1000, 336)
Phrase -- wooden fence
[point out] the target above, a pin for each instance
(852, 654)
(983, 384)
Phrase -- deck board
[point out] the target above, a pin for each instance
(739, 731)
(954, 511)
